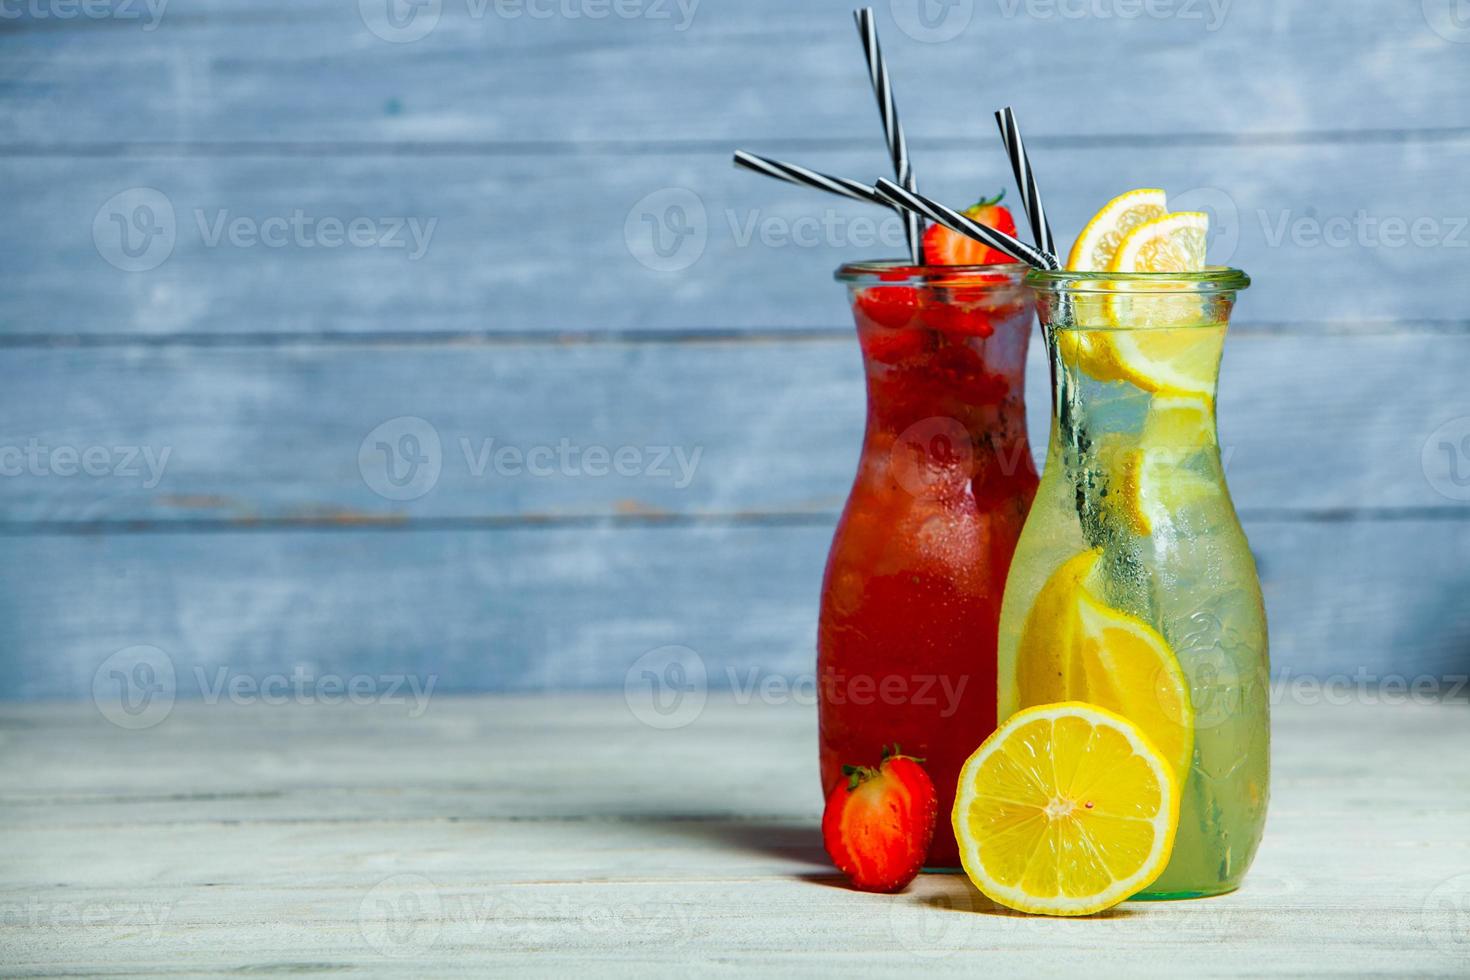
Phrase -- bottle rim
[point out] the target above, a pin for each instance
(1215, 279)
(901, 272)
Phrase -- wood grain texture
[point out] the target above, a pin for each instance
(566, 607)
(314, 839)
(567, 243)
(249, 434)
(539, 148)
(214, 70)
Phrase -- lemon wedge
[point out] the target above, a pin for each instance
(1067, 809)
(1098, 244)
(1074, 647)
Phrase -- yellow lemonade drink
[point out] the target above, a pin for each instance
(1133, 587)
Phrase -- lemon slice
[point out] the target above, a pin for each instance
(1074, 647)
(1098, 244)
(1154, 482)
(1179, 423)
(1067, 809)
(1168, 243)
(1159, 343)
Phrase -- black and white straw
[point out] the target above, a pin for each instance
(1010, 134)
(898, 147)
(953, 220)
(809, 178)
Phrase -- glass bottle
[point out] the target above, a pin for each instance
(916, 573)
(1133, 586)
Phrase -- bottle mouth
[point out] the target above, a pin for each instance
(1215, 279)
(897, 272)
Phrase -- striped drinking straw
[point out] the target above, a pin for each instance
(1010, 134)
(955, 221)
(809, 178)
(898, 147)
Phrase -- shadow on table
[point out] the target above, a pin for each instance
(799, 842)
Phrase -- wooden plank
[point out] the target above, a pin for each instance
(538, 860)
(1312, 425)
(687, 72)
(548, 244)
(549, 608)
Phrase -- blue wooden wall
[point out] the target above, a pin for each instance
(210, 268)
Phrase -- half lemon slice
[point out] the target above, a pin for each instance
(1074, 647)
(1098, 244)
(1067, 809)
(1161, 343)
(1154, 480)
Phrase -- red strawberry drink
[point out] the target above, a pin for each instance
(906, 644)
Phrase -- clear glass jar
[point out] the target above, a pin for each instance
(1133, 586)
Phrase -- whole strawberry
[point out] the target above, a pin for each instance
(879, 822)
(945, 247)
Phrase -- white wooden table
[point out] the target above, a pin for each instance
(552, 835)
